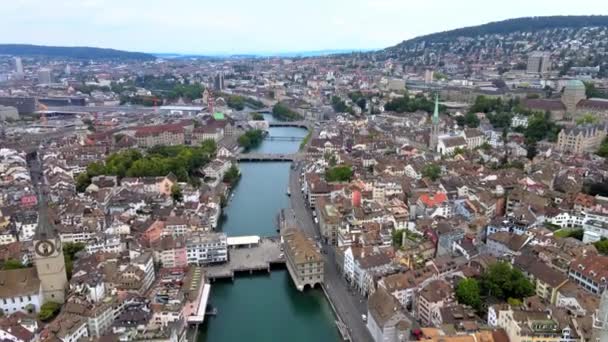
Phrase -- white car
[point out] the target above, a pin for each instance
(364, 317)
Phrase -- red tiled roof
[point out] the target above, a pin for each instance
(431, 201)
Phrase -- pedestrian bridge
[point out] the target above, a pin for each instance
(270, 157)
(282, 138)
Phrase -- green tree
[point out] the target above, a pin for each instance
(282, 112)
(587, 119)
(432, 171)
(69, 255)
(342, 173)
(602, 246)
(468, 292)
(471, 120)
(397, 236)
(251, 139)
(12, 264)
(531, 151)
(176, 193)
(82, 181)
(232, 176)
(603, 151)
(503, 282)
(257, 117)
(48, 311)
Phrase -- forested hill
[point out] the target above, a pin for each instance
(71, 52)
(528, 24)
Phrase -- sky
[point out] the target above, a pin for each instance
(256, 26)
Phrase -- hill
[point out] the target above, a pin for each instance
(572, 41)
(71, 52)
(528, 24)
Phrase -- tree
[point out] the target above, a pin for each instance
(602, 246)
(82, 181)
(471, 120)
(251, 139)
(397, 236)
(587, 119)
(12, 264)
(503, 282)
(342, 173)
(603, 151)
(232, 176)
(282, 112)
(176, 193)
(48, 311)
(531, 151)
(69, 253)
(257, 117)
(468, 292)
(432, 171)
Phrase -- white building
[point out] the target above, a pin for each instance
(20, 290)
(473, 137)
(207, 248)
(519, 121)
(448, 144)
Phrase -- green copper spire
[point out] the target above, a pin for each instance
(436, 112)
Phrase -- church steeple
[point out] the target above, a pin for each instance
(434, 136)
(436, 112)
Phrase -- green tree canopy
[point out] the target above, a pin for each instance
(251, 139)
(282, 112)
(503, 282)
(341, 173)
(12, 264)
(176, 193)
(468, 292)
(48, 311)
(432, 171)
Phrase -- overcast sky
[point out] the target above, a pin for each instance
(250, 26)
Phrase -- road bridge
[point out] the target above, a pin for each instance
(299, 124)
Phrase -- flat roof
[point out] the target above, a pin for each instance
(202, 306)
(243, 240)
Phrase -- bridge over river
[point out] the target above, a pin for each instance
(270, 157)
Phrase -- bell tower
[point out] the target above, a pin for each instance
(48, 259)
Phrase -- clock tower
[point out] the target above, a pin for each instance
(49, 261)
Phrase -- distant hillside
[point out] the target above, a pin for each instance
(71, 52)
(528, 24)
(573, 41)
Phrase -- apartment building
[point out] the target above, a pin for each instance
(207, 248)
(590, 272)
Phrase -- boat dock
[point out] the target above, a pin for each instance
(250, 258)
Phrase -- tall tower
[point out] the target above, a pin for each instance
(600, 319)
(18, 65)
(48, 258)
(434, 137)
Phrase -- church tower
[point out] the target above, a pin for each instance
(434, 136)
(49, 261)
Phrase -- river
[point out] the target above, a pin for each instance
(265, 307)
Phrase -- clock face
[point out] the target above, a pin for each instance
(45, 248)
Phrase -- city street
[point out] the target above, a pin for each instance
(349, 304)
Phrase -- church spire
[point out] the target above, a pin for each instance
(436, 112)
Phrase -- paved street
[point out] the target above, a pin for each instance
(350, 306)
